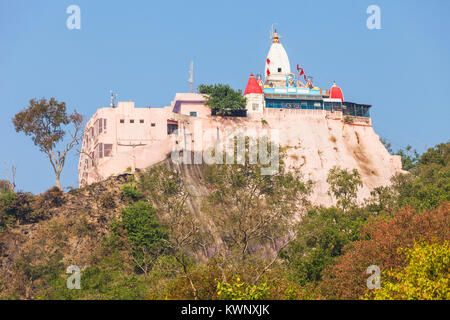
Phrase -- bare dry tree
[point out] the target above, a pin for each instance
(11, 180)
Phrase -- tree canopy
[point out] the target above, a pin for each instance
(344, 186)
(425, 277)
(222, 98)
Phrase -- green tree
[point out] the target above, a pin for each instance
(344, 186)
(428, 185)
(425, 277)
(409, 156)
(47, 122)
(147, 237)
(321, 237)
(222, 98)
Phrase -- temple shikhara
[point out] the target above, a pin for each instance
(318, 126)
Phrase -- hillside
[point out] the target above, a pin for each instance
(176, 230)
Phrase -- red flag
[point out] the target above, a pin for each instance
(298, 68)
(268, 61)
(301, 72)
(304, 76)
(268, 72)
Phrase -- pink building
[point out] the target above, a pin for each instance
(124, 138)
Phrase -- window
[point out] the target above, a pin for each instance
(171, 127)
(131, 121)
(86, 139)
(122, 121)
(255, 106)
(100, 150)
(279, 69)
(141, 121)
(100, 126)
(153, 124)
(92, 158)
(193, 113)
(104, 125)
(107, 150)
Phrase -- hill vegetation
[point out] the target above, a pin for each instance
(139, 236)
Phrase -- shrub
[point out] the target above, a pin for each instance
(109, 276)
(107, 201)
(15, 207)
(130, 193)
(54, 197)
(348, 119)
(238, 290)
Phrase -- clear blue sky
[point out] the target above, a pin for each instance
(142, 49)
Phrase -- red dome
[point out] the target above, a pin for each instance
(336, 92)
(252, 86)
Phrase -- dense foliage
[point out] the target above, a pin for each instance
(425, 277)
(321, 237)
(147, 237)
(222, 98)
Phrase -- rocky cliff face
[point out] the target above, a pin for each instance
(315, 141)
(316, 144)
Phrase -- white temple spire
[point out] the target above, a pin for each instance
(277, 62)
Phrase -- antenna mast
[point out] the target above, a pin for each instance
(191, 78)
(273, 29)
(112, 100)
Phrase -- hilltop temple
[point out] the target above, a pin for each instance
(318, 126)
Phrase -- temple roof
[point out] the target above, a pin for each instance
(252, 86)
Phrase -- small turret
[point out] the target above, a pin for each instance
(336, 92)
(252, 86)
(254, 95)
